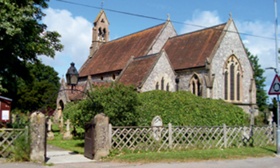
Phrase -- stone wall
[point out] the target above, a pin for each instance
(167, 32)
(232, 45)
(161, 70)
(185, 77)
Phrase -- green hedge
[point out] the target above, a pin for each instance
(125, 107)
(184, 108)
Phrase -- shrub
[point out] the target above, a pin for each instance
(125, 107)
(184, 108)
(118, 102)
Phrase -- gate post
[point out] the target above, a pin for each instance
(97, 143)
(101, 136)
(38, 137)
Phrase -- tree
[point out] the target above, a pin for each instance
(1, 87)
(23, 37)
(41, 91)
(260, 81)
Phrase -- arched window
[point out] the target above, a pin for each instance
(162, 83)
(157, 86)
(195, 85)
(232, 79)
(167, 87)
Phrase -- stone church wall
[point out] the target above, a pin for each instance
(185, 77)
(161, 70)
(231, 45)
(166, 33)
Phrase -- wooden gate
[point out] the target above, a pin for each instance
(7, 139)
(89, 140)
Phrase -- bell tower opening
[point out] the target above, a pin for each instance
(100, 31)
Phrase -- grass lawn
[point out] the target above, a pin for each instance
(77, 145)
(192, 155)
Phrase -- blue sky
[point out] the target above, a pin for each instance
(74, 23)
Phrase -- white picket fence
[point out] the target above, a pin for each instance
(182, 137)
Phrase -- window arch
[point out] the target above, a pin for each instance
(162, 83)
(195, 85)
(157, 86)
(232, 79)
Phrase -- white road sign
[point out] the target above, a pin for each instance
(275, 86)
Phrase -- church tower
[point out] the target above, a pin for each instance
(100, 31)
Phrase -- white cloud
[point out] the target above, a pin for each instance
(75, 36)
(201, 19)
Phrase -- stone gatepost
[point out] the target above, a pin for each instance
(101, 136)
(38, 137)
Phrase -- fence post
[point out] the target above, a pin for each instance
(275, 132)
(26, 134)
(110, 136)
(225, 135)
(170, 135)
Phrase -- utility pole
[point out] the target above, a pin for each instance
(277, 71)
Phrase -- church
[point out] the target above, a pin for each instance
(211, 63)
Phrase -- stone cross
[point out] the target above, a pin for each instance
(67, 135)
(68, 125)
(49, 125)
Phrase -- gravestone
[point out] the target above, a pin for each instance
(270, 118)
(38, 137)
(67, 135)
(50, 134)
(157, 127)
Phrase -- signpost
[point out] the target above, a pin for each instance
(275, 86)
(275, 90)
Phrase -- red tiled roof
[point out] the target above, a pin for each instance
(114, 55)
(138, 70)
(191, 50)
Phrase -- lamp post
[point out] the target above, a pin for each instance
(278, 113)
(72, 76)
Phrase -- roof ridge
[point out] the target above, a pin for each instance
(146, 56)
(136, 33)
(196, 31)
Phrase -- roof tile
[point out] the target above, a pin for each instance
(113, 55)
(191, 50)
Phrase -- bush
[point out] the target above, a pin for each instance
(184, 108)
(118, 102)
(125, 107)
